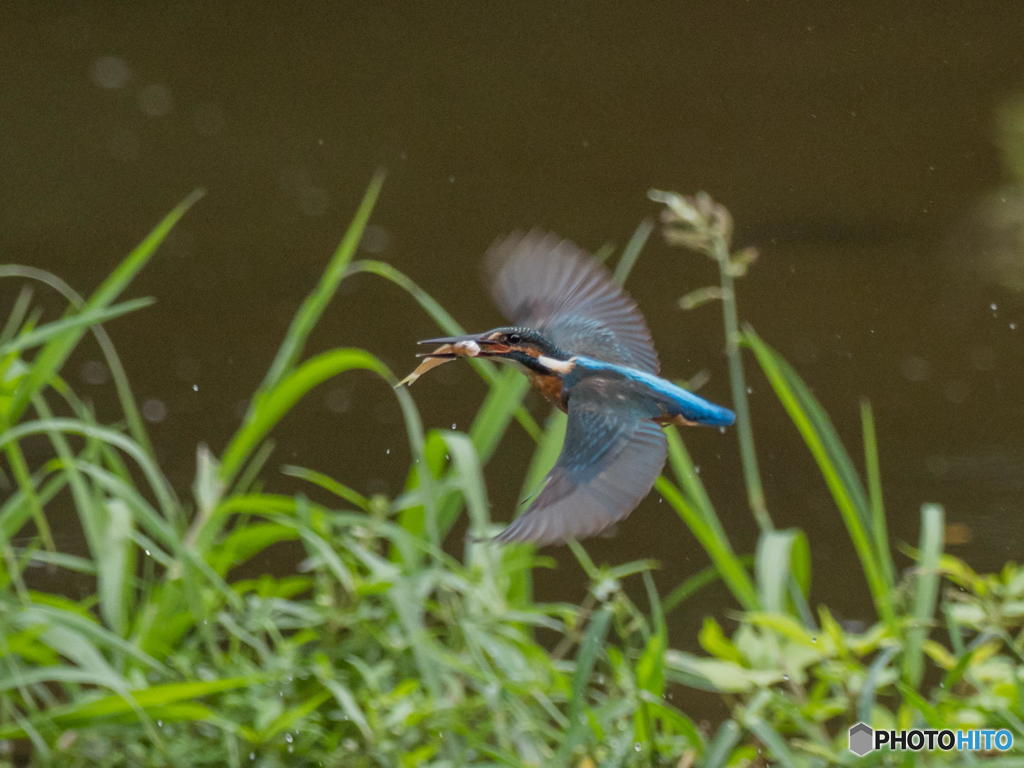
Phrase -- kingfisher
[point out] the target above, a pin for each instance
(585, 347)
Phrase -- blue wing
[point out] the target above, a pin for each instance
(612, 455)
(542, 281)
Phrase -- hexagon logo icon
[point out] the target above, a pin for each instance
(861, 739)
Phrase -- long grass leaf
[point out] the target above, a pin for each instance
(272, 405)
(926, 591)
(725, 740)
(157, 482)
(782, 557)
(329, 484)
(872, 469)
(306, 318)
(867, 697)
(734, 574)
(631, 252)
(52, 356)
(834, 465)
(71, 323)
(586, 658)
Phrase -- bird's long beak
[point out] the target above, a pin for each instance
(472, 345)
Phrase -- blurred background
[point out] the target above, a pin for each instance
(872, 152)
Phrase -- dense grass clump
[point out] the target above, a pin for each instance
(384, 648)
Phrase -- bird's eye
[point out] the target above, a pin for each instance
(513, 338)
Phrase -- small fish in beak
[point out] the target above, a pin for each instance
(443, 354)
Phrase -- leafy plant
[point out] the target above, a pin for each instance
(383, 647)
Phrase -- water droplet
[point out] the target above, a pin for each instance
(252, 755)
(94, 372)
(993, 306)
(637, 747)
(916, 369)
(148, 553)
(110, 72)
(721, 430)
(454, 425)
(195, 387)
(154, 410)
(313, 201)
(750, 390)
(696, 469)
(289, 738)
(1013, 326)
(814, 639)
(376, 239)
(155, 100)
(785, 677)
(338, 400)
(387, 451)
(159, 723)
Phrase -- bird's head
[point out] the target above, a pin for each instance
(526, 346)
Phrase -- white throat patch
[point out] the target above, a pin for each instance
(558, 366)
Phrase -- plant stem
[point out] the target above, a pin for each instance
(737, 381)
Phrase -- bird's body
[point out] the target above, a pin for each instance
(668, 403)
(585, 347)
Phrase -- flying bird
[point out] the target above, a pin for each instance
(583, 344)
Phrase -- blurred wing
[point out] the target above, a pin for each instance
(543, 282)
(612, 455)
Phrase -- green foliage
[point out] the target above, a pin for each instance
(385, 649)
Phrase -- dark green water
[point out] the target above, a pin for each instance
(854, 147)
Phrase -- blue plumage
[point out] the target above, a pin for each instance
(585, 347)
(676, 400)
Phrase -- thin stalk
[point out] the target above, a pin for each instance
(874, 475)
(20, 470)
(737, 381)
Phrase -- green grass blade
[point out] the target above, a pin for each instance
(124, 393)
(650, 670)
(781, 556)
(52, 356)
(586, 658)
(90, 710)
(545, 456)
(469, 476)
(773, 740)
(693, 584)
(329, 484)
(157, 482)
(734, 574)
(271, 405)
(868, 692)
(19, 311)
(73, 322)
(291, 718)
(879, 529)
(834, 465)
(315, 304)
(632, 251)
(725, 740)
(926, 592)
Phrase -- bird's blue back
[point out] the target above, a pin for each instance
(675, 401)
